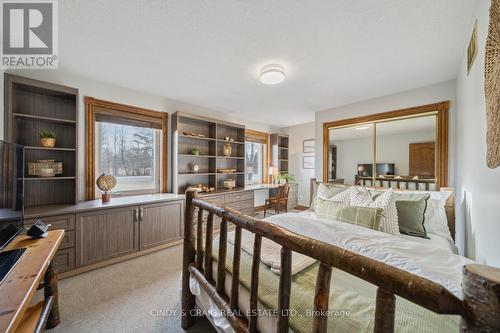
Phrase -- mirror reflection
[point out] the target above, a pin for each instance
(351, 153)
(400, 154)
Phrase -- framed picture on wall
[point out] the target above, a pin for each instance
(308, 146)
(308, 162)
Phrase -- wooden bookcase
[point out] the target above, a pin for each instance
(32, 106)
(211, 152)
(279, 151)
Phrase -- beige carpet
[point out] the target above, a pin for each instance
(138, 295)
(127, 297)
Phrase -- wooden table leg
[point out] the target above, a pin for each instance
(50, 289)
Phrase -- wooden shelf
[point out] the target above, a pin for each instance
(196, 137)
(55, 120)
(203, 156)
(235, 142)
(197, 173)
(211, 146)
(283, 147)
(48, 178)
(33, 106)
(230, 173)
(55, 148)
(232, 157)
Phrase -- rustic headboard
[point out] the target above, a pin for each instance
(449, 207)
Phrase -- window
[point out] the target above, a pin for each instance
(131, 154)
(256, 152)
(127, 142)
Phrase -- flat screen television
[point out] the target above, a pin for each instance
(386, 169)
(11, 190)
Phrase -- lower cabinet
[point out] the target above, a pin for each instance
(106, 234)
(160, 224)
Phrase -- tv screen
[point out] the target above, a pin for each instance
(386, 169)
(11, 185)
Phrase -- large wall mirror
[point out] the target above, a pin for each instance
(404, 149)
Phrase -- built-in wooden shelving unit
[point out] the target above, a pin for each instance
(32, 106)
(279, 151)
(211, 156)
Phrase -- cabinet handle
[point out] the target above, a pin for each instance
(136, 215)
(141, 214)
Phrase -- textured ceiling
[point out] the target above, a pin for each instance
(209, 53)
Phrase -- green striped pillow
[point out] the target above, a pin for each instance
(334, 211)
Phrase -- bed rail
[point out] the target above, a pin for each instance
(480, 309)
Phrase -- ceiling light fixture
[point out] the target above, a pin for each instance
(272, 74)
(360, 128)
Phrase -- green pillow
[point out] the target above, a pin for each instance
(411, 216)
(334, 211)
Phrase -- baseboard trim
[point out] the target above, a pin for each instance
(300, 207)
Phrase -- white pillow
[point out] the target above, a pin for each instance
(435, 221)
(389, 222)
(343, 197)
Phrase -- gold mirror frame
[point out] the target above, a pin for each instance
(439, 109)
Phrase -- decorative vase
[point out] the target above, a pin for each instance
(196, 168)
(227, 149)
(48, 142)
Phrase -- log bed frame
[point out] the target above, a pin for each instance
(480, 308)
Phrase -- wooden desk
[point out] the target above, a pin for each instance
(17, 314)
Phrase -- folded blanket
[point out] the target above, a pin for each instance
(270, 253)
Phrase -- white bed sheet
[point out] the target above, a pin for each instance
(269, 323)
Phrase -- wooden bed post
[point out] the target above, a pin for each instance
(188, 300)
(481, 298)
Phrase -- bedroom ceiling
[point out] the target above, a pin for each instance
(210, 53)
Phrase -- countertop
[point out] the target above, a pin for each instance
(117, 202)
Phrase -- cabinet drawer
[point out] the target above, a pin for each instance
(215, 200)
(65, 259)
(236, 197)
(241, 205)
(66, 222)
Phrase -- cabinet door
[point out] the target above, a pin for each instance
(160, 223)
(106, 234)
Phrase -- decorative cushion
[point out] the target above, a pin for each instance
(411, 216)
(344, 196)
(326, 192)
(335, 211)
(436, 221)
(361, 197)
(325, 188)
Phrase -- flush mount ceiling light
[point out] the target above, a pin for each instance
(272, 74)
(360, 128)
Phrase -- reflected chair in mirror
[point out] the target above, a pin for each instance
(281, 199)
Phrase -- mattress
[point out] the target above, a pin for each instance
(351, 303)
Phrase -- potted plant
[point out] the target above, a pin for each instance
(195, 151)
(285, 178)
(48, 139)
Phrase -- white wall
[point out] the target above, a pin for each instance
(425, 95)
(478, 187)
(303, 176)
(101, 90)
(390, 149)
